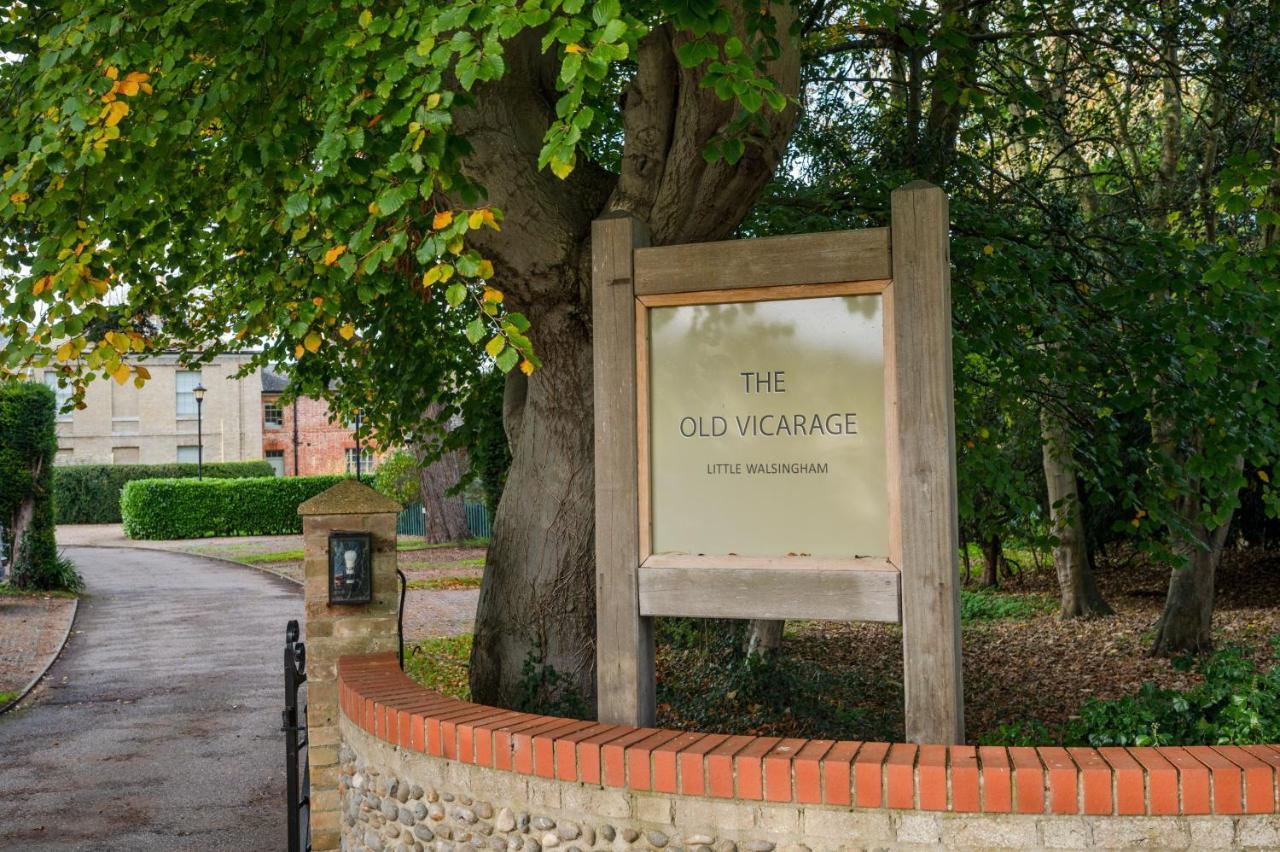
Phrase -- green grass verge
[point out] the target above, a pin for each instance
(441, 664)
(436, 584)
(6, 697)
(998, 606)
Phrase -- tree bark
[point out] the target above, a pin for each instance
(446, 513)
(764, 637)
(1186, 624)
(992, 553)
(1080, 596)
(537, 598)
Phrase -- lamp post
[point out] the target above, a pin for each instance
(357, 446)
(198, 393)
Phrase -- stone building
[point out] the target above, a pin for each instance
(299, 438)
(156, 424)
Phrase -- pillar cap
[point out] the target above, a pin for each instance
(349, 497)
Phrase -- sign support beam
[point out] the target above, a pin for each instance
(625, 687)
(923, 476)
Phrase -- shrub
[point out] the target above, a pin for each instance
(190, 508)
(1234, 704)
(28, 444)
(398, 478)
(90, 494)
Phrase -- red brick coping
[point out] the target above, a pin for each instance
(1162, 781)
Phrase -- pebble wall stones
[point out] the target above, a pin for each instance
(506, 820)
(542, 823)
(656, 839)
(630, 835)
(607, 833)
(415, 792)
(568, 831)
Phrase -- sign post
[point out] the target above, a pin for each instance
(774, 440)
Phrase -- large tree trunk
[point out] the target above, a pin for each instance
(537, 599)
(1078, 587)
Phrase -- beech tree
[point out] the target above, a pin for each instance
(357, 188)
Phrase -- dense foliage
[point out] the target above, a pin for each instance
(1232, 703)
(397, 477)
(90, 494)
(190, 508)
(28, 444)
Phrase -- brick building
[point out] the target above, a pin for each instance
(298, 438)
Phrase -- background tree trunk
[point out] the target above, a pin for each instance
(1076, 582)
(446, 513)
(764, 637)
(992, 553)
(1186, 624)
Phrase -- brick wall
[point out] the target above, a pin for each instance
(322, 445)
(758, 793)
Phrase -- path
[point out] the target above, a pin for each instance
(158, 727)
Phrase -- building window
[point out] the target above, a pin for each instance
(62, 393)
(366, 460)
(275, 458)
(186, 381)
(272, 414)
(188, 454)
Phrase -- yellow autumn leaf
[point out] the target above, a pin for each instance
(318, 301)
(373, 208)
(575, 48)
(433, 100)
(115, 111)
(988, 249)
(347, 331)
(121, 374)
(332, 255)
(312, 341)
(561, 168)
(113, 73)
(526, 367)
(127, 88)
(431, 276)
(19, 197)
(485, 269)
(137, 77)
(298, 351)
(143, 373)
(491, 220)
(492, 295)
(442, 220)
(65, 351)
(495, 346)
(1262, 474)
(475, 220)
(446, 272)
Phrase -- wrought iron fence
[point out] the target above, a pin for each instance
(413, 520)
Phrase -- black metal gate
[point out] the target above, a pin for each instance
(297, 778)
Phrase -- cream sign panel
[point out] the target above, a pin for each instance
(767, 432)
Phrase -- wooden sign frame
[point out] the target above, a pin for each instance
(906, 264)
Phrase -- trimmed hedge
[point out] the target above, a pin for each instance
(90, 494)
(28, 443)
(191, 508)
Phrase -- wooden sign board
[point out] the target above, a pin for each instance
(775, 439)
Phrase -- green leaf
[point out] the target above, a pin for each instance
(295, 205)
(507, 359)
(475, 330)
(455, 295)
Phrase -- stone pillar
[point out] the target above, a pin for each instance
(331, 632)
